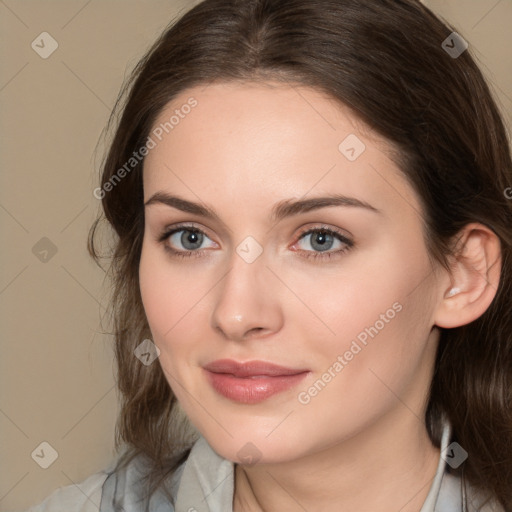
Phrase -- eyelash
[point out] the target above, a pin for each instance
(317, 256)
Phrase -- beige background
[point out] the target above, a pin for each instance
(56, 366)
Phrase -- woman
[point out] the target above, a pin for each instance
(312, 267)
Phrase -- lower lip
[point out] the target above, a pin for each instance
(252, 390)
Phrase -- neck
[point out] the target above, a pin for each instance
(387, 467)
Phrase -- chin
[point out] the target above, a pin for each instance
(245, 451)
(250, 443)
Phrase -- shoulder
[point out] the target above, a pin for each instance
(202, 472)
(477, 502)
(456, 495)
(82, 497)
(127, 488)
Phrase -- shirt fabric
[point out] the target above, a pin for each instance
(205, 483)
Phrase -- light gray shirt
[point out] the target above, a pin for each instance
(205, 483)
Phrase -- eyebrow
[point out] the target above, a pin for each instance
(281, 210)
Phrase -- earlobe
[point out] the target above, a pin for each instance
(474, 277)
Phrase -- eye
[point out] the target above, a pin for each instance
(184, 241)
(323, 240)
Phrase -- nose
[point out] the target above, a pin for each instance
(247, 303)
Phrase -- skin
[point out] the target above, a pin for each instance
(360, 443)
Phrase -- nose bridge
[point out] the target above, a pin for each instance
(245, 300)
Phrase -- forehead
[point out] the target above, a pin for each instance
(268, 141)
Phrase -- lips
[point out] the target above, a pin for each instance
(253, 381)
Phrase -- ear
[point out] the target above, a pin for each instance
(469, 289)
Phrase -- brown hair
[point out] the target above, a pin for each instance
(383, 58)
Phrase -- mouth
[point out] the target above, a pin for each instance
(251, 382)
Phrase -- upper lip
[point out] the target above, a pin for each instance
(250, 368)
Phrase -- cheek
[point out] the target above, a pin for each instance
(339, 303)
(374, 314)
(166, 298)
(174, 305)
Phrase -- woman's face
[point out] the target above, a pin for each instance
(339, 291)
